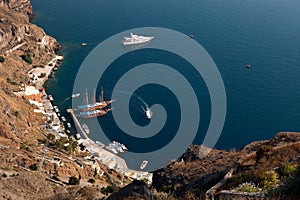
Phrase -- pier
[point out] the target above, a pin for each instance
(106, 157)
(77, 123)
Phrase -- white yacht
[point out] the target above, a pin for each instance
(135, 39)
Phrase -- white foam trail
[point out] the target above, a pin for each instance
(64, 100)
(145, 106)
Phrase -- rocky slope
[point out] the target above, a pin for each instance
(21, 136)
(18, 37)
(195, 174)
(190, 177)
(23, 6)
(203, 173)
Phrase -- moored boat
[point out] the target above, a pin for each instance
(144, 164)
(75, 95)
(135, 39)
(86, 128)
(100, 144)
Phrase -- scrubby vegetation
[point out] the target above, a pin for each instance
(10, 81)
(2, 59)
(248, 187)
(27, 58)
(74, 180)
(286, 171)
(65, 144)
(34, 167)
(109, 189)
(290, 186)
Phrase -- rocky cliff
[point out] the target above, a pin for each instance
(19, 37)
(23, 6)
(194, 174)
(203, 173)
(23, 140)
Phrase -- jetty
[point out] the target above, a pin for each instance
(77, 123)
(107, 158)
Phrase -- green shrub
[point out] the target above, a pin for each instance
(2, 59)
(290, 187)
(286, 171)
(109, 189)
(10, 81)
(73, 180)
(268, 179)
(4, 175)
(26, 58)
(247, 187)
(165, 188)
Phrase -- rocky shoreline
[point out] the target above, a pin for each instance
(28, 57)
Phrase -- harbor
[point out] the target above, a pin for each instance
(108, 158)
(58, 125)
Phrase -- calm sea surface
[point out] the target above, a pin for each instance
(261, 101)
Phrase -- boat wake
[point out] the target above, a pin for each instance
(145, 109)
(64, 100)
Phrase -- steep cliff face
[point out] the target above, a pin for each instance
(18, 37)
(194, 173)
(22, 138)
(23, 6)
(16, 33)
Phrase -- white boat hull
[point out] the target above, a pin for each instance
(135, 39)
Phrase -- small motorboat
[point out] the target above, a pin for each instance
(144, 164)
(248, 66)
(63, 118)
(148, 114)
(50, 97)
(75, 95)
(86, 128)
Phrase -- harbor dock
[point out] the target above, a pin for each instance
(107, 158)
(78, 126)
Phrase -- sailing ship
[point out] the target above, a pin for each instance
(96, 105)
(94, 109)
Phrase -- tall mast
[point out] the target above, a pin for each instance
(94, 99)
(86, 97)
(102, 95)
(94, 95)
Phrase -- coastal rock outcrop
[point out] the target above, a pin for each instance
(23, 6)
(193, 175)
(17, 33)
(135, 190)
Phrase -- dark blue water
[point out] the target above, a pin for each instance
(261, 101)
